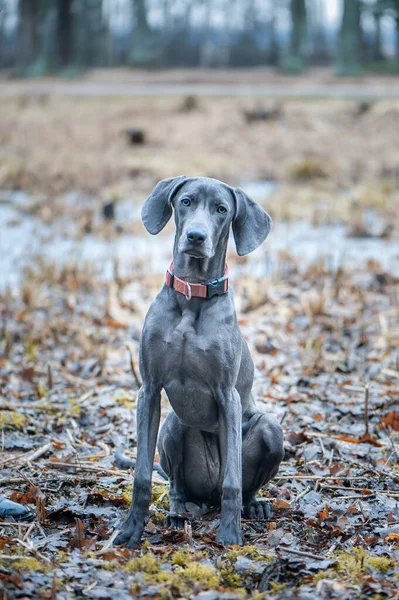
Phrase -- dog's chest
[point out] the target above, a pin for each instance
(190, 344)
(191, 372)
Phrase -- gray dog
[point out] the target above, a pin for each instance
(215, 445)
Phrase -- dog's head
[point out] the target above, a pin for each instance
(204, 209)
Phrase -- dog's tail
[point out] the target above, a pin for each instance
(123, 462)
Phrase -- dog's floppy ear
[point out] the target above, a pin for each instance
(157, 209)
(251, 224)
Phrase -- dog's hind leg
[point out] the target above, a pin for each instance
(191, 459)
(170, 449)
(262, 452)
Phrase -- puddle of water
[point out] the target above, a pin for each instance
(23, 236)
(259, 190)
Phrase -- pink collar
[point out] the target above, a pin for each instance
(208, 289)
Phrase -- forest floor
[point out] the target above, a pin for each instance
(323, 331)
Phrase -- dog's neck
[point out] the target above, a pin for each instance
(198, 270)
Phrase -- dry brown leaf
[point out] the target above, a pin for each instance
(391, 420)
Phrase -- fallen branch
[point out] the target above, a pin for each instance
(304, 554)
(38, 453)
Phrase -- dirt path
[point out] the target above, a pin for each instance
(206, 84)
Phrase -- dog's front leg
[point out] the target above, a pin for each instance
(230, 418)
(148, 415)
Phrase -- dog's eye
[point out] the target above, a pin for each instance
(186, 201)
(221, 209)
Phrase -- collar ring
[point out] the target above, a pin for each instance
(188, 296)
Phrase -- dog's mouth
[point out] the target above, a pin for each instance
(195, 253)
(200, 251)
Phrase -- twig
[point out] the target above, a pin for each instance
(132, 367)
(16, 525)
(65, 477)
(107, 544)
(320, 477)
(322, 447)
(303, 493)
(49, 377)
(285, 413)
(392, 444)
(188, 532)
(304, 554)
(30, 547)
(27, 534)
(93, 468)
(344, 487)
(390, 373)
(29, 456)
(356, 497)
(11, 459)
(37, 454)
(366, 407)
(26, 478)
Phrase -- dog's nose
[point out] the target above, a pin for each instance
(196, 237)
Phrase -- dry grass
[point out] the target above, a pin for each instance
(58, 144)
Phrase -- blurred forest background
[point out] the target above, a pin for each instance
(41, 37)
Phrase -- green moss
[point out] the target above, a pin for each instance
(182, 557)
(135, 589)
(30, 348)
(196, 572)
(251, 552)
(307, 170)
(109, 565)
(184, 575)
(12, 418)
(230, 578)
(353, 566)
(147, 563)
(127, 494)
(74, 409)
(276, 588)
(160, 496)
(381, 563)
(125, 399)
(28, 563)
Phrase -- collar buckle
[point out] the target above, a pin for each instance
(216, 287)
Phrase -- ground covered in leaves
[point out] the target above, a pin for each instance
(325, 349)
(324, 337)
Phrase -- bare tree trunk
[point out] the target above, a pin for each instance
(140, 12)
(3, 8)
(142, 50)
(298, 28)
(295, 61)
(64, 32)
(397, 37)
(377, 45)
(28, 31)
(350, 40)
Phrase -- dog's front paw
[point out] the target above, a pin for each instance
(228, 536)
(258, 509)
(131, 532)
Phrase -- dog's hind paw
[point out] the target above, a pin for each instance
(127, 539)
(131, 532)
(174, 521)
(228, 538)
(258, 509)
